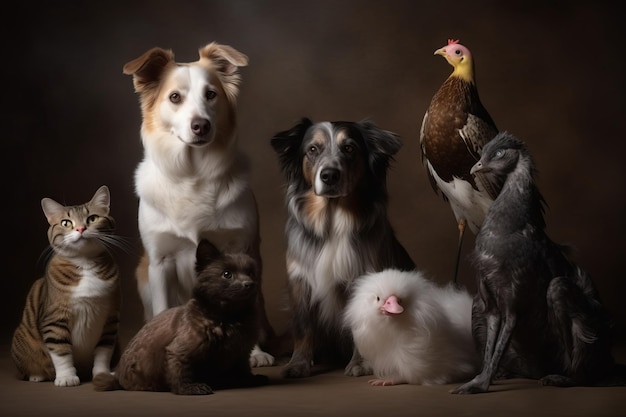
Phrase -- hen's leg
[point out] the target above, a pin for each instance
(498, 336)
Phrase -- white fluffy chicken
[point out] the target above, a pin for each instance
(411, 331)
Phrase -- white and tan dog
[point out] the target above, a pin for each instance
(192, 183)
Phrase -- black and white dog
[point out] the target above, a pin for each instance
(337, 229)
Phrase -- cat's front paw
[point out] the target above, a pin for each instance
(66, 381)
(193, 389)
(260, 358)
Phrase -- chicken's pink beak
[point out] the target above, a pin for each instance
(391, 306)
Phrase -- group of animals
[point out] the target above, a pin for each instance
(356, 295)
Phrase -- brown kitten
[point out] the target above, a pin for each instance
(203, 344)
(70, 321)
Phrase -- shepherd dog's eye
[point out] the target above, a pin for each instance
(175, 97)
(210, 94)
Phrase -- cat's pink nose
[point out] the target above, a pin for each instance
(80, 229)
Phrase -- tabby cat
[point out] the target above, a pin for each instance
(71, 318)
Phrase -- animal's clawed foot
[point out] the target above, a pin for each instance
(381, 382)
(475, 386)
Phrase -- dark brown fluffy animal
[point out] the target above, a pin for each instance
(337, 229)
(202, 345)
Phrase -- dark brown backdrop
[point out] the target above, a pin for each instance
(553, 75)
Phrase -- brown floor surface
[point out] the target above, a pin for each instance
(325, 394)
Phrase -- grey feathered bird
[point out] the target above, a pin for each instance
(536, 314)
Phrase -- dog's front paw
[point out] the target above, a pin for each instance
(358, 368)
(66, 381)
(260, 358)
(297, 369)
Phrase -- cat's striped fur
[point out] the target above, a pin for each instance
(70, 321)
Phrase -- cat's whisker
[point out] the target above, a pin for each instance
(116, 241)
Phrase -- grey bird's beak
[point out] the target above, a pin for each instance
(477, 167)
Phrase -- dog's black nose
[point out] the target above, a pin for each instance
(200, 126)
(330, 176)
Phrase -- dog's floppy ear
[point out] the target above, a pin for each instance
(227, 61)
(206, 252)
(287, 145)
(382, 146)
(148, 69)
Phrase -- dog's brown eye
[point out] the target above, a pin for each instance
(227, 274)
(175, 98)
(312, 149)
(348, 149)
(210, 94)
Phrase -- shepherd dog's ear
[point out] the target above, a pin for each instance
(287, 145)
(381, 144)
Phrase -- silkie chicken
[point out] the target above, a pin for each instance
(455, 128)
(411, 331)
(536, 314)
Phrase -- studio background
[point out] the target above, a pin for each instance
(549, 72)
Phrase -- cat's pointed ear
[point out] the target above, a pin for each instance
(52, 210)
(102, 198)
(205, 254)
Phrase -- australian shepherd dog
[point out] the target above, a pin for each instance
(337, 230)
(192, 182)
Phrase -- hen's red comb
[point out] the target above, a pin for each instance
(452, 41)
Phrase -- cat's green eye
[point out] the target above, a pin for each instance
(227, 274)
(91, 219)
(67, 223)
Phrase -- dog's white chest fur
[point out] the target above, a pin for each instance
(192, 208)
